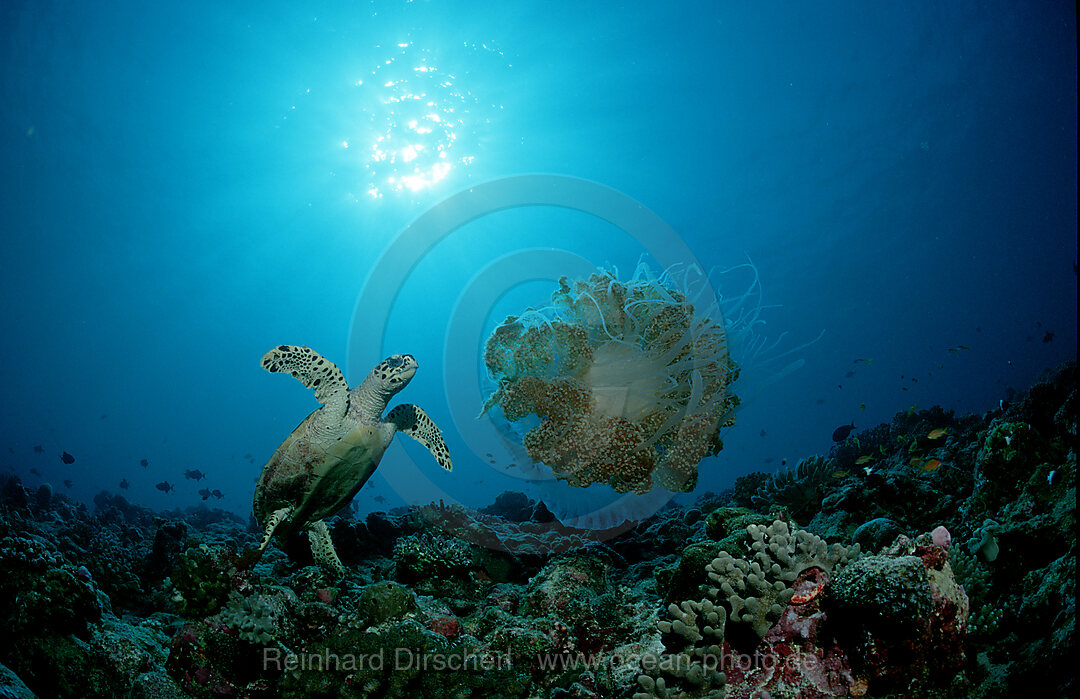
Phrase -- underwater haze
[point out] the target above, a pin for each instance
(187, 186)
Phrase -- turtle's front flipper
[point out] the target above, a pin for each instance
(314, 371)
(322, 548)
(414, 422)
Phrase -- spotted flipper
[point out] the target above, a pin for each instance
(276, 518)
(322, 548)
(311, 369)
(414, 422)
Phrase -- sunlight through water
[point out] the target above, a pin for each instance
(419, 122)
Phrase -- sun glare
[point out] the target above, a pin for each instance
(417, 122)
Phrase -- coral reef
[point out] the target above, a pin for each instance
(953, 582)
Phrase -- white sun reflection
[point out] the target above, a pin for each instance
(419, 122)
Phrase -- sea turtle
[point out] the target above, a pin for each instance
(327, 459)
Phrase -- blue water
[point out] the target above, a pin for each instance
(186, 187)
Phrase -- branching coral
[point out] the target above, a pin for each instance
(694, 640)
(630, 383)
(782, 567)
(757, 590)
(254, 619)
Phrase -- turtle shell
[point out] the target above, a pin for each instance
(318, 470)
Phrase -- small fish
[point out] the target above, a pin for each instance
(840, 474)
(768, 459)
(865, 459)
(913, 446)
(762, 433)
(164, 486)
(783, 462)
(38, 449)
(864, 360)
(195, 475)
(931, 465)
(849, 374)
(841, 433)
(959, 348)
(205, 493)
(67, 458)
(820, 401)
(35, 472)
(124, 484)
(144, 462)
(862, 406)
(915, 462)
(217, 493)
(379, 498)
(1048, 337)
(67, 483)
(882, 450)
(938, 433)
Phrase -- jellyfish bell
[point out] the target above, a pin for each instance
(612, 395)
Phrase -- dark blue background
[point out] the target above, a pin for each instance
(178, 197)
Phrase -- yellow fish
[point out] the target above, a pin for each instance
(863, 460)
(938, 433)
(839, 474)
(931, 465)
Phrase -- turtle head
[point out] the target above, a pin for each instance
(393, 373)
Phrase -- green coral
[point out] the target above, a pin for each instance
(430, 556)
(202, 580)
(974, 576)
(893, 589)
(385, 600)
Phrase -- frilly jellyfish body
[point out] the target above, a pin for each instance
(630, 384)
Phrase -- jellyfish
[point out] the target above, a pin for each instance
(622, 383)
